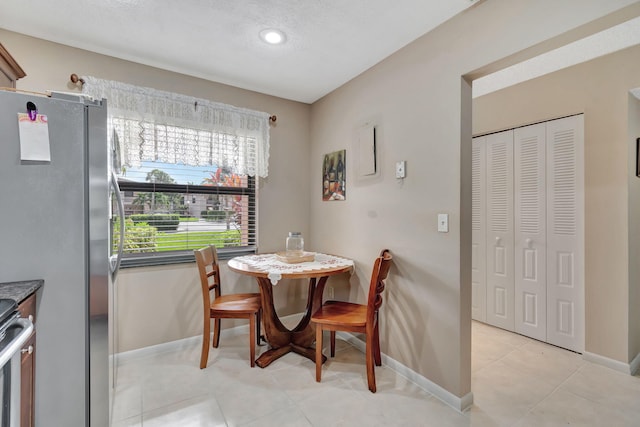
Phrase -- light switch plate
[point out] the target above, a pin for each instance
(401, 168)
(443, 223)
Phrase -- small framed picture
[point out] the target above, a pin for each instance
(638, 157)
(334, 176)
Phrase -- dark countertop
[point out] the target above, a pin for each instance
(19, 291)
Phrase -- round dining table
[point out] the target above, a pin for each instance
(269, 270)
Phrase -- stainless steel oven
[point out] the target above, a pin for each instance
(14, 333)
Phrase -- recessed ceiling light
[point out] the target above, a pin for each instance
(272, 36)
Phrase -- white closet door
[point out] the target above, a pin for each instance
(478, 230)
(565, 232)
(500, 249)
(530, 231)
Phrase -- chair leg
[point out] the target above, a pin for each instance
(333, 343)
(252, 340)
(216, 332)
(371, 375)
(376, 347)
(318, 352)
(206, 336)
(258, 316)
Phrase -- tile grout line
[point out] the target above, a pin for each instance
(513, 348)
(552, 392)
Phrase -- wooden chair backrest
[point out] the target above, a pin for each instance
(379, 274)
(207, 262)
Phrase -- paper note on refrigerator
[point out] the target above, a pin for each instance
(34, 138)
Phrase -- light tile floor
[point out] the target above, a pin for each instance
(516, 381)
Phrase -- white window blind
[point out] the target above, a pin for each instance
(172, 208)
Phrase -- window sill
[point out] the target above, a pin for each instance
(145, 260)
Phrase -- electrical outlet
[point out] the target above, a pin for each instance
(330, 292)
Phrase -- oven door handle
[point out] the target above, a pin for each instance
(15, 345)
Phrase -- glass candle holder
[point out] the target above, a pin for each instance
(295, 244)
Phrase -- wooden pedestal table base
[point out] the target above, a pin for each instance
(282, 340)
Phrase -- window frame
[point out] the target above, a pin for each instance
(186, 256)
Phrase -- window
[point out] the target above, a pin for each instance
(170, 208)
(187, 168)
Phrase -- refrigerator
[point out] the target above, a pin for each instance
(54, 225)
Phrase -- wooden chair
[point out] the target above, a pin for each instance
(346, 316)
(233, 306)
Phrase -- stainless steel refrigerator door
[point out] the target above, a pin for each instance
(98, 262)
(116, 229)
(45, 227)
(116, 250)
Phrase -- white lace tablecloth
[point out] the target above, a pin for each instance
(269, 263)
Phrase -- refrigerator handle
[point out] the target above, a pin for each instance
(115, 263)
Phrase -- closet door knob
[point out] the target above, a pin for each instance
(498, 240)
(529, 243)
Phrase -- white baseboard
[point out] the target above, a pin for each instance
(175, 345)
(153, 350)
(616, 365)
(187, 342)
(458, 403)
(634, 366)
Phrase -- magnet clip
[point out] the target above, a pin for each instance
(32, 110)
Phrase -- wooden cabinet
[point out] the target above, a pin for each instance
(28, 366)
(27, 386)
(10, 71)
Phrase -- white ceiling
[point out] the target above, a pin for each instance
(329, 42)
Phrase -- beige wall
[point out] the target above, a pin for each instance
(421, 110)
(162, 304)
(147, 296)
(600, 89)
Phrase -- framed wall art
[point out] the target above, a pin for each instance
(334, 176)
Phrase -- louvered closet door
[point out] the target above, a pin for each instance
(565, 232)
(478, 230)
(500, 249)
(530, 231)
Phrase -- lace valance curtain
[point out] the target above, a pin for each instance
(155, 125)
